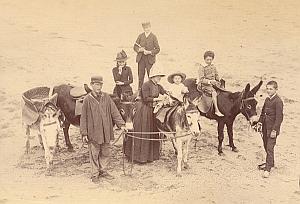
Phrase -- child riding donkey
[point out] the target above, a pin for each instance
(208, 76)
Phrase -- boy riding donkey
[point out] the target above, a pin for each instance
(208, 76)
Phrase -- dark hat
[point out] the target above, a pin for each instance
(170, 77)
(146, 23)
(97, 79)
(121, 56)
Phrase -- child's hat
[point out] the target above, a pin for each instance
(121, 56)
(170, 77)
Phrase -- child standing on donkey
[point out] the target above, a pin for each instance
(207, 77)
(269, 122)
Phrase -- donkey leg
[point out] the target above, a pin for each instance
(67, 137)
(174, 146)
(179, 157)
(40, 140)
(185, 153)
(230, 136)
(27, 145)
(220, 136)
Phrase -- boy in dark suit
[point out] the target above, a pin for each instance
(270, 120)
(146, 47)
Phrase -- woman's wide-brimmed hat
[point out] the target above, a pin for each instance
(155, 72)
(121, 56)
(170, 77)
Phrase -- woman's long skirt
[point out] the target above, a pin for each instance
(143, 150)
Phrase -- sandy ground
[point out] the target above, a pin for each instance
(52, 42)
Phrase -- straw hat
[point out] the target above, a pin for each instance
(170, 77)
(155, 72)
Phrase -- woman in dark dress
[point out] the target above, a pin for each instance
(145, 150)
(122, 76)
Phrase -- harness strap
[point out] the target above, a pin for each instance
(47, 124)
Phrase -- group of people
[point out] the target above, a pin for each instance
(99, 112)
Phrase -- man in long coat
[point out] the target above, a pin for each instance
(99, 112)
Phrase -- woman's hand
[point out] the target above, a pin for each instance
(119, 83)
(141, 49)
(146, 52)
(213, 82)
(156, 99)
(85, 139)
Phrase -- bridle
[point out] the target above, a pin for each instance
(242, 106)
(53, 107)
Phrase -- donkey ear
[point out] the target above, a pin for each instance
(87, 88)
(53, 98)
(247, 89)
(257, 87)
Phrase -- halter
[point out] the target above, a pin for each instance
(52, 106)
(51, 123)
(242, 106)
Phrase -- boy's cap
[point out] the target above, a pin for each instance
(97, 79)
(146, 24)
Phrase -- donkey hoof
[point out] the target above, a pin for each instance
(179, 175)
(48, 172)
(234, 149)
(221, 154)
(186, 166)
(71, 149)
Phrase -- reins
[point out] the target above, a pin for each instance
(131, 135)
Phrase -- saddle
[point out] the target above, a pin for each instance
(205, 102)
(78, 93)
(34, 100)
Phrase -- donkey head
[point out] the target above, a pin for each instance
(49, 128)
(249, 103)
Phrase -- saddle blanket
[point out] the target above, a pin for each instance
(204, 103)
(78, 106)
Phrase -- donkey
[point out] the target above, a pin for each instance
(176, 120)
(230, 104)
(47, 127)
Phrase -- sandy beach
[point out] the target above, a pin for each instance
(46, 43)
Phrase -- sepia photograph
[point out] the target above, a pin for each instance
(162, 101)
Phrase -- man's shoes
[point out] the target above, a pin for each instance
(95, 179)
(138, 98)
(261, 166)
(266, 174)
(106, 175)
(219, 114)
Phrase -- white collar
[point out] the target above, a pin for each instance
(147, 34)
(270, 97)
